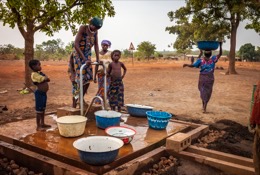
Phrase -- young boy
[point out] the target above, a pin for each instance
(116, 89)
(41, 81)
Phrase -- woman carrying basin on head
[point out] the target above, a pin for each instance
(206, 78)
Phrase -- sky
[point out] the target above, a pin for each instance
(135, 21)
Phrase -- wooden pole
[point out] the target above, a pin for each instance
(132, 58)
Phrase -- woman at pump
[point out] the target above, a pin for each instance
(86, 38)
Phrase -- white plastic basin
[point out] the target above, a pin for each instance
(72, 125)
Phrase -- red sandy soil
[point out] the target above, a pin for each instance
(162, 84)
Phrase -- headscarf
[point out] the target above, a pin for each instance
(97, 22)
(106, 42)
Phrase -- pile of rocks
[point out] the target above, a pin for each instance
(11, 168)
(163, 167)
(212, 136)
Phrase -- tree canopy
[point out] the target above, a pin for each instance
(248, 52)
(213, 20)
(49, 17)
(146, 49)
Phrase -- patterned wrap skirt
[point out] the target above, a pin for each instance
(101, 89)
(206, 81)
(116, 93)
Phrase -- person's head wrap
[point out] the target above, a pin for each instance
(207, 53)
(106, 42)
(97, 22)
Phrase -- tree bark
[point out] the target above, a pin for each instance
(232, 53)
(29, 54)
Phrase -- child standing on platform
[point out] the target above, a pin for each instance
(41, 81)
(116, 89)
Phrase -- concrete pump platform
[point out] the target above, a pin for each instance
(52, 145)
(52, 154)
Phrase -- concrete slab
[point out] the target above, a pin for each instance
(51, 144)
(67, 110)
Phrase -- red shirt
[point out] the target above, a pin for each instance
(255, 117)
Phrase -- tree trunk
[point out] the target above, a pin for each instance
(232, 53)
(29, 54)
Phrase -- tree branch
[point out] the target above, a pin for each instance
(49, 19)
(19, 21)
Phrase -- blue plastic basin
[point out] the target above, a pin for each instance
(208, 45)
(138, 110)
(105, 119)
(158, 119)
(98, 150)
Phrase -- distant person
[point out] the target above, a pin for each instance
(116, 89)
(206, 78)
(255, 124)
(192, 59)
(86, 38)
(104, 53)
(41, 81)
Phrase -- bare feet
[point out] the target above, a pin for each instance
(40, 129)
(45, 126)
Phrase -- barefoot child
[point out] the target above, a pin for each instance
(41, 81)
(116, 89)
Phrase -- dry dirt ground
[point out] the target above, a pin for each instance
(163, 84)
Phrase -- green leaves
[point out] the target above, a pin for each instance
(146, 48)
(247, 51)
(211, 20)
(50, 16)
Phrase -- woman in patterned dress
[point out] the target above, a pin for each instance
(206, 79)
(86, 38)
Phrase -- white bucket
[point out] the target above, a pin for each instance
(72, 125)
